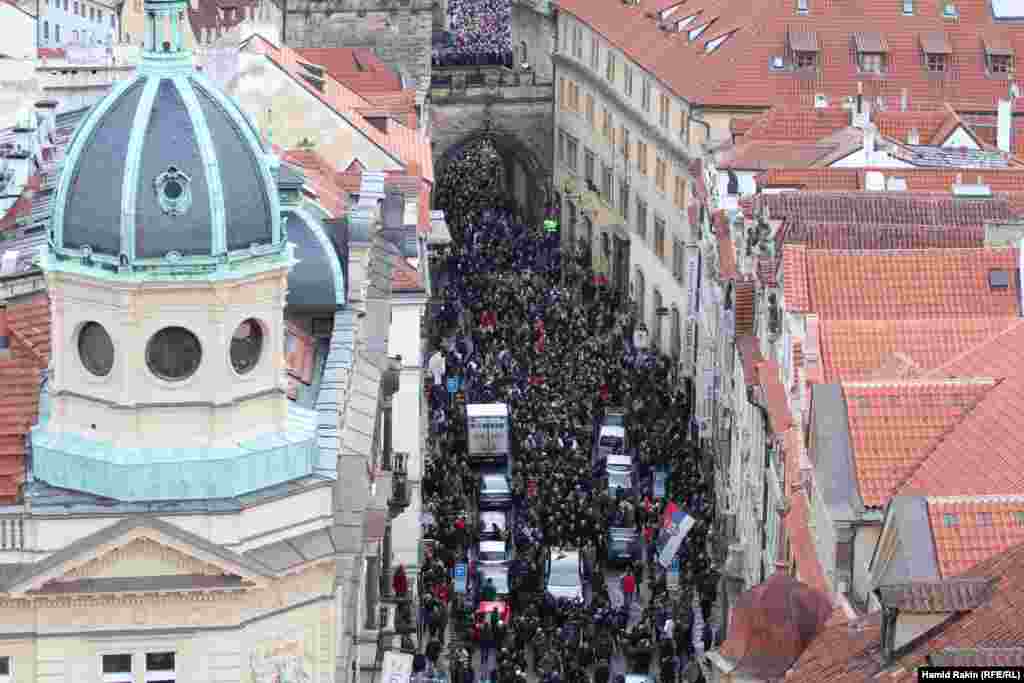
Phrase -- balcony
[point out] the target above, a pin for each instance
(398, 501)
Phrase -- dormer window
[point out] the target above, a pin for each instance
(937, 52)
(872, 51)
(998, 56)
(804, 46)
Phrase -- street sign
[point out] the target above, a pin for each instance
(460, 577)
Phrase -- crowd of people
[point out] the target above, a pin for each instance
(473, 180)
(481, 34)
(524, 324)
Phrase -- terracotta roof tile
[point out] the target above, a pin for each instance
(759, 155)
(851, 653)
(749, 349)
(898, 124)
(29, 322)
(928, 597)
(926, 283)
(771, 624)
(919, 208)
(978, 657)
(405, 144)
(794, 278)
(795, 124)
(802, 544)
(859, 350)
(894, 424)
(743, 298)
(871, 236)
(977, 529)
(321, 178)
(939, 180)
(21, 209)
(358, 68)
(726, 254)
(769, 377)
(738, 72)
(405, 278)
(984, 455)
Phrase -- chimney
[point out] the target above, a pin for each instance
(46, 113)
(904, 99)
(1004, 126)
(913, 137)
(869, 144)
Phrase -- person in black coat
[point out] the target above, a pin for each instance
(601, 671)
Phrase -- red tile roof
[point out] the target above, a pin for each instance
(358, 68)
(898, 124)
(743, 297)
(22, 206)
(851, 653)
(772, 623)
(860, 350)
(982, 528)
(726, 254)
(29, 322)
(926, 283)
(794, 278)
(893, 425)
(918, 179)
(760, 155)
(770, 378)
(749, 349)
(52, 53)
(405, 278)
(738, 72)
(839, 235)
(405, 144)
(918, 208)
(321, 178)
(802, 543)
(792, 124)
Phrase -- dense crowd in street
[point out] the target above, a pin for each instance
(481, 34)
(525, 325)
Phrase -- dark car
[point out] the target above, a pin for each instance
(495, 489)
(623, 545)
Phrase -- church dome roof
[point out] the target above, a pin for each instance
(165, 167)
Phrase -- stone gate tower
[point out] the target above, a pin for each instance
(399, 31)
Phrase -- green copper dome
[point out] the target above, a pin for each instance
(165, 169)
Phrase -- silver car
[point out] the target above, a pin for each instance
(564, 574)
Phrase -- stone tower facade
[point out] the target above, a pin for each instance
(399, 31)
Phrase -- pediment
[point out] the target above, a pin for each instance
(132, 551)
(143, 557)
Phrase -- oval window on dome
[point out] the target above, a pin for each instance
(173, 354)
(96, 349)
(246, 346)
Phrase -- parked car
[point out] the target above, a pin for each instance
(494, 523)
(564, 574)
(610, 440)
(495, 489)
(619, 470)
(493, 552)
(623, 545)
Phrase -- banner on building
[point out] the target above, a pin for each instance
(676, 524)
(692, 280)
(397, 667)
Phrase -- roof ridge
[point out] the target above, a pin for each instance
(974, 349)
(930, 451)
(978, 498)
(946, 381)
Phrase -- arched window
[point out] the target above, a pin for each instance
(656, 331)
(639, 294)
(677, 334)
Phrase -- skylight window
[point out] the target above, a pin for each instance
(716, 43)
(695, 33)
(1008, 9)
(683, 23)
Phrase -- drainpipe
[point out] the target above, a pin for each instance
(701, 121)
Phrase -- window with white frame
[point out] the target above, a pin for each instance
(577, 42)
(645, 95)
(117, 668)
(160, 667)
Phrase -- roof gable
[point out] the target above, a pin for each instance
(172, 552)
